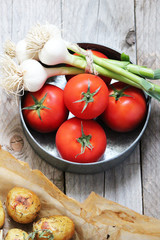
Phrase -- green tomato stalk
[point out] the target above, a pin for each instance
(38, 105)
(88, 96)
(84, 140)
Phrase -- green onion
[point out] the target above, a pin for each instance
(124, 72)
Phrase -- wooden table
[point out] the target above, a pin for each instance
(131, 26)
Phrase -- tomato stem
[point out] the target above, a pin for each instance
(84, 140)
(37, 106)
(88, 96)
(119, 93)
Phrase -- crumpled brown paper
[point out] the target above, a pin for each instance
(96, 218)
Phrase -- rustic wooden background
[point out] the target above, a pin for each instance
(131, 26)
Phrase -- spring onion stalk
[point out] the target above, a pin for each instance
(30, 75)
(51, 49)
(43, 41)
(46, 42)
(55, 52)
(142, 71)
(22, 54)
(141, 81)
(145, 85)
(131, 68)
(118, 73)
(153, 90)
(19, 51)
(134, 73)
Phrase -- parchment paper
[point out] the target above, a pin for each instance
(96, 218)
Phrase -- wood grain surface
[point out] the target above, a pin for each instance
(130, 26)
(148, 53)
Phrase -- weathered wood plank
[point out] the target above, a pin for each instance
(148, 52)
(116, 26)
(28, 13)
(108, 23)
(23, 14)
(79, 186)
(79, 20)
(116, 22)
(6, 21)
(79, 25)
(123, 183)
(106, 26)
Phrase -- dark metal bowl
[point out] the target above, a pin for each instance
(119, 145)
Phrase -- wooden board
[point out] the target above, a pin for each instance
(148, 53)
(124, 26)
(23, 14)
(98, 24)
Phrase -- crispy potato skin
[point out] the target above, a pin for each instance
(2, 215)
(62, 227)
(22, 205)
(16, 234)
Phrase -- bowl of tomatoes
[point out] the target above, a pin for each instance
(85, 131)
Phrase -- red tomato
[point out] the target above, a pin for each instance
(126, 108)
(107, 80)
(47, 110)
(82, 141)
(86, 96)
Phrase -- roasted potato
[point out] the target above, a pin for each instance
(62, 227)
(2, 215)
(22, 205)
(16, 234)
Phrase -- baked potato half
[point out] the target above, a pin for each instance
(62, 227)
(16, 234)
(22, 205)
(2, 215)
